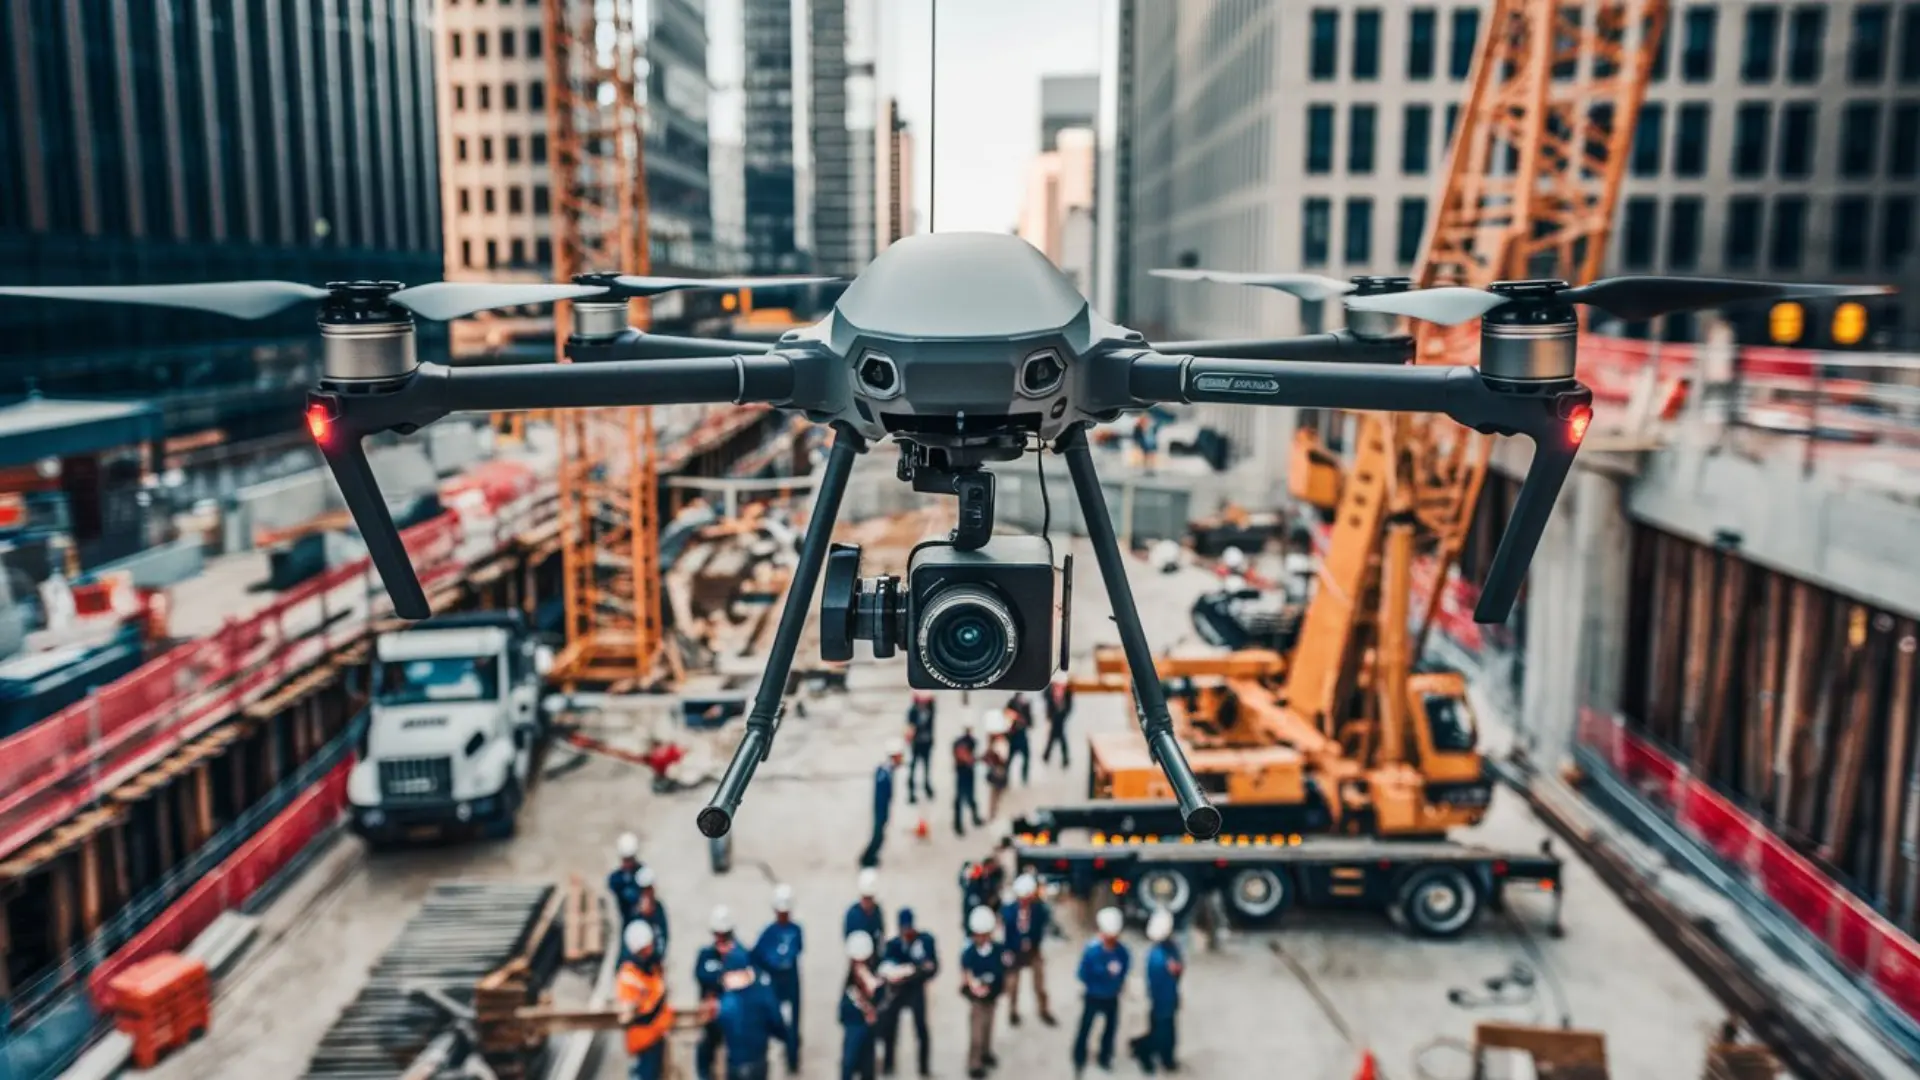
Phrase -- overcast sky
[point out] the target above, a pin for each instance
(991, 55)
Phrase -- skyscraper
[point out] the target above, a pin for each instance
(1067, 101)
(843, 114)
(146, 141)
(895, 215)
(774, 208)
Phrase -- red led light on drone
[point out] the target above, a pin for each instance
(1578, 420)
(319, 422)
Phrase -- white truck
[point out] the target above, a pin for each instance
(457, 713)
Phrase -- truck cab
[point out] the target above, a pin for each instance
(456, 715)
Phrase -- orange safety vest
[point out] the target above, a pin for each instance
(646, 991)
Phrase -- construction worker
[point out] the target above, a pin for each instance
(747, 1016)
(1027, 918)
(980, 885)
(1019, 733)
(778, 954)
(914, 955)
(860, 1003)
(966, 754)
(983, 974)
(1103, 971)
(866, 914)
(1164, 967)
(920, 741)
(649, 909)
(1059, 706)
(996, 759)
(620, 880)
(642, 993)
(882, 801)
(708, 967)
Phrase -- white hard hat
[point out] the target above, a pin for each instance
(1160, 925)
(1024, 886)
(980, 920)
(1233, 558)
(896, 748)
(1234, 583)
(722, 920)
(860, 946)
(869, 882)
(1166, 555)
(1110, 921)
(643, 877)
(783, 898)
(996, 722)
(628, 846)
(639, 936)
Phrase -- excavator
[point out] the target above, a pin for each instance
(1348, 734)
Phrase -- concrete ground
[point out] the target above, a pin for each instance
(1304, 1002)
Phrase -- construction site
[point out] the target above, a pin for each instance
(1662, 820)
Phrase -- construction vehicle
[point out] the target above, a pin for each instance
(1349, 736)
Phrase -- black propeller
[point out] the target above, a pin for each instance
(259, 299)
(1631, 297)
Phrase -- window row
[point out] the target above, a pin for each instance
(489, 253)
(1757, 236)
(1316, 231)
(536, 145)
(509, 96)
(1787, 148)
(1874, 44)
(510, 42)
(1416, 137)
(516, 199)
(1423, 43)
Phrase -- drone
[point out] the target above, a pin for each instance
(965, 350)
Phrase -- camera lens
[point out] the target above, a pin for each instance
(967, 638)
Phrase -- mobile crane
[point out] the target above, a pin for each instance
(1342, 766)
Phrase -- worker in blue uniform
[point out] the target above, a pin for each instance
(650, 910)
(620, 880)
(866, 914)
(708, 967)
(1103, 970)
(777, 953)
(1026, 918)
(920, 741)
(910, 961)
(983, 974)
(882, 802)
(860, 1004)
(1164, 966)
(747, 1016)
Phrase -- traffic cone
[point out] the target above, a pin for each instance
(920, 829)
(1368, 1069)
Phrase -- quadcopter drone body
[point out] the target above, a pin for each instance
(965, 349)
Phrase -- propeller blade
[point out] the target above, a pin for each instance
(236, 299)
(1646, 296)
(1305, 286)
(454, 299)
(1448, 305)
(653, 286)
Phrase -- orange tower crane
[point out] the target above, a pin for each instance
(609, 503)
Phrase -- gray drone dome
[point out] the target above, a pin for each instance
(961, 285)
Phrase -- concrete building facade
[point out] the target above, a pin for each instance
(1067, 101)
(895, 215)
(1056, 214)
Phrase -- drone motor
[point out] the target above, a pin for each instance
(1533, 338)
(365, 338)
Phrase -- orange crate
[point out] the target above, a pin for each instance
(161, 1003)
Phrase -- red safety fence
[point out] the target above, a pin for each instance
(1858, 937)
(229, 885)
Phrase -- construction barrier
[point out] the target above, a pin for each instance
(1858, 937)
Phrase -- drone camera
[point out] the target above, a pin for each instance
(1041, 374)
(978, 619)
(879, 376)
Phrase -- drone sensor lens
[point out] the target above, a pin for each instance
(877, 374)
(1041, 374)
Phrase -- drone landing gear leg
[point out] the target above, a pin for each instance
(1202, 820)
(764, 717)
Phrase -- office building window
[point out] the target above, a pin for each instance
(1319, 139)
(1851, 244)
(1324, 45)
(516, 201)
(1796, 139)
(480, 49)
(507, 43)
(1466, 32)
(486, 201)
(513, 148)
(533, 44)
(459, 98)
(1366, 44)
(1661, 49)
(460, 148)
(543, 251)
(1789, 232)
(1567, 42)
(1683, 233)
(466, 254)
(1413, 229)
(486, 97)
(1859, 139)
(1910, 43)
(486, 148)
(1453, 121)
(542, 201)
(1867, 53)
(1416, 137)
(1316, 222)
(1359, 232)
(1649, 136)
(1896, 232)
(1761, 53)
(1642, 223)
(518, 253)
(493, 254)
(538, 149)
(1751, 125)
(1360, 125)
(453, 44)
(1696, 57)
(1903, 148)
(466, 201)
(1805, 32)
(1422, 30)
(536, 95)
(1743, 232)
(510, 97)
(1690, 142)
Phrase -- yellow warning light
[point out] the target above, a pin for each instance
(1786, 323)
(1849, 323)
(729, 301)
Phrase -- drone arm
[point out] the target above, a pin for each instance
(639, 345)
(1339, 345)
(1555, 417)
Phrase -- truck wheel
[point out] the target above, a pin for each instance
(1258, 895)
(1439, 901)
(1166, 889)
(720, 853)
